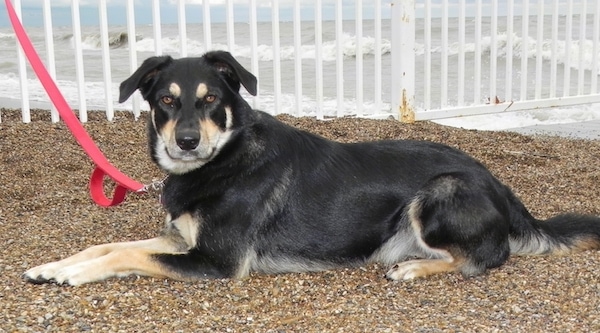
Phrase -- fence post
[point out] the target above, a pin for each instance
(79, 69)
(22, 63)
(106, 73)
(403, 59)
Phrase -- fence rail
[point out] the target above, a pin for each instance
(412, 59)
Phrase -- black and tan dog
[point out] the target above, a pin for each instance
(248, 193)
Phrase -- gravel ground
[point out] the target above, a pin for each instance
(46, 214)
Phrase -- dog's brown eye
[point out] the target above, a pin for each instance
(167, 100)
(210, 98)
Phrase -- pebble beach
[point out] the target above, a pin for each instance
(46, 214)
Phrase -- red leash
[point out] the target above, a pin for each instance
(103, 166)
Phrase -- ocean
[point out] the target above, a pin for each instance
(63, 39)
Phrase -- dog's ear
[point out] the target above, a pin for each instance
(234, 73)
(142, 77)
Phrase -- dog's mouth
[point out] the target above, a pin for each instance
(189, 155)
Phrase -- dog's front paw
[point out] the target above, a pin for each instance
(54, 272)
(42, 273)
(75, 275)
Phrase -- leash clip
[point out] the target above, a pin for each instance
(155, 187)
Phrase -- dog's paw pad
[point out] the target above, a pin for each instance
(404, 271)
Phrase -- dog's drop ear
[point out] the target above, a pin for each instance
(234, 73)
(142, 77)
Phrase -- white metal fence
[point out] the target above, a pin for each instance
(417, 59)
(478, 57)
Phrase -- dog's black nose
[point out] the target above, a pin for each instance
(187, 141)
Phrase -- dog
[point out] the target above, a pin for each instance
(246, 193)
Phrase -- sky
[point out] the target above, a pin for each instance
(61, 11)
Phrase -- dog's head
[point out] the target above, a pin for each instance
(195, 106)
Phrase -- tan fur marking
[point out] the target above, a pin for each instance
(424, 267)
(201, 91)
(441, 261)
(167, 132)
(209, 130)
(152, 113)
(228, 117)
(188, 227)
(579, 245)
(246, 265)
(175, 89)
(132, 261)
(157, 244)
(413, 214)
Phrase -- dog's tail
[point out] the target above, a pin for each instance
(558, 235)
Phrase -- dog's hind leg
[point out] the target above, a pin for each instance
(459, 226)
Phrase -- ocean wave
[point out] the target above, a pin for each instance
(576, 49)
(328, 48)
(93, 41)
(7, 35)
(265, 52)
